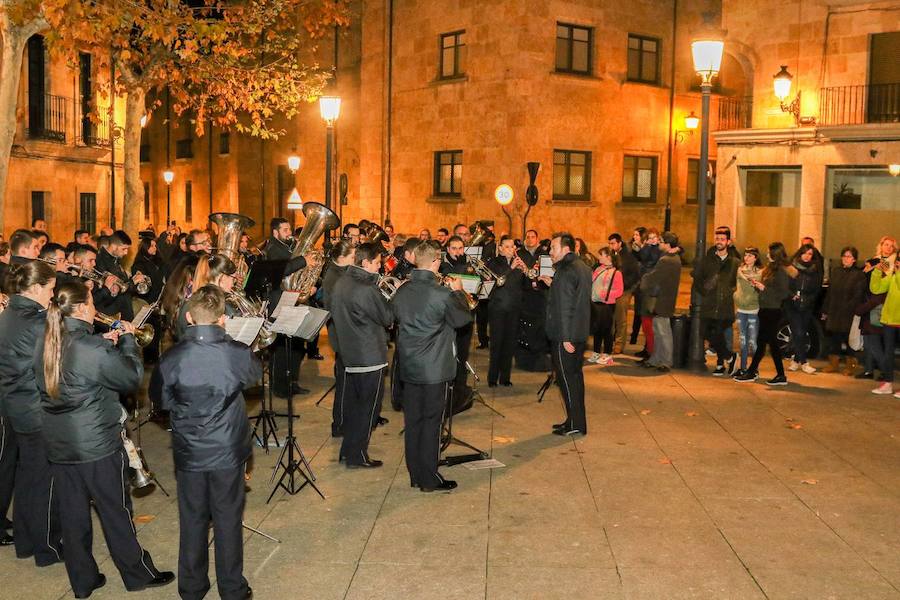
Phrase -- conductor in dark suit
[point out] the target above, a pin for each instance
(568, 324)
(427, 315)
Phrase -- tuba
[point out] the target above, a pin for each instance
(230, 227)
(481, 235)
(319, 219)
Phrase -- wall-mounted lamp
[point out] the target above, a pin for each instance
(782, 84)
(691, 123)
(293, 163)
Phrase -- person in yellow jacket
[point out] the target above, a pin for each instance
(885, 279)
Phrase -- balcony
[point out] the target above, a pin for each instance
(47, 118)
(859, 104)
(95, 133)
(734, 113)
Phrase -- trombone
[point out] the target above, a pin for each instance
(482, 270)
(143, 334)
(388, 286)
(471, 301)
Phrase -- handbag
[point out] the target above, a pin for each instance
(855, 339)
(875, 315)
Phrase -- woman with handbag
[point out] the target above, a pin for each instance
(606, 288)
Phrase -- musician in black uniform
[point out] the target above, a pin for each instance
(108, 260)
(427, 314)
(506, 302)
(456, 263)
(200, 381)
(406, 256)
(279, 247)
(149, 263)
(568, 325)
(482, 311)
(361, 318)
(24, 247)
(35, 519)
(532, 352)
(341, 257)
(81, 376)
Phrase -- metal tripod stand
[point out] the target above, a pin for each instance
(265, 420)
(447, 438)
(476, 395)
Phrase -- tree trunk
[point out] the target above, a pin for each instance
(13, 39)
(134, 188)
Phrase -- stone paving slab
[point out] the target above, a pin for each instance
(687, 486)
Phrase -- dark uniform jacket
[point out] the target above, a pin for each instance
(530, 258)
(662, 283)
(361, 318)
(21, 328)
(427, 314)
(333, 273)
(201, 381)
(84, 423)
(109, 263)
(4, 270)
(569, 306)
(457, 266)
(716, 279)
(155, 271)
(507, 297)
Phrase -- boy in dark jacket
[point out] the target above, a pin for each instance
(200, 381)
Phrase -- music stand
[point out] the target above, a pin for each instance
(264, 277)
(551, 379)
(447, 438)
(291, 451)
(476, 395)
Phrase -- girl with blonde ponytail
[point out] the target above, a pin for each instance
(82, 377)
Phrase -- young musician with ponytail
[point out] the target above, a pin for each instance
(36, 524)
(81, 376)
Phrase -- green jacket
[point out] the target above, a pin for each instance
(889, 284)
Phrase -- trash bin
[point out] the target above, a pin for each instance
(681, 340)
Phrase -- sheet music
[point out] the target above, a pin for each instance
(243, 329)
(470, 283)
(486, 289)
(473, 251)
(287, 299)
(546, 266)
(313, 323)
(289, 320)
(141, 317)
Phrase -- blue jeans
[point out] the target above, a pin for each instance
(748, 327)
(799, 319)
(873, 352)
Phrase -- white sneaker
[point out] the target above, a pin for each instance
(884, 389)
(807, 368)
(594, 358)
(605, 359)
(794, 365)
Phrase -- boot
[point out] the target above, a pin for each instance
(834, 364)
(850, 369)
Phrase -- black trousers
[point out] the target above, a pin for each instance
(337, 408)
(769, 320)
(603, 322)
(482, 321)
(9, 452)
(463, 344)
(280, 383)
(570, 380)
(103, 482)
(35, 511)
(362, 392)
(505, 334)
(423, 413)
(216, 496)
(714, 331)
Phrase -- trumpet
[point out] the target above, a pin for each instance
(143, 334)
(142, 475)
(388, 286)
(471, 301)
(482, 270)
(100, 277)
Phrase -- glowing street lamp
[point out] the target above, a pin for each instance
(168, 177)
(894, 170)
(293, 163)
(330, 109)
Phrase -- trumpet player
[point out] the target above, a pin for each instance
(361, 317)
(503, 311)
(80, 376)
(342, 256)
(23, 248)
(35, 518)
(456, 263)
(109, 261)
(200, 381)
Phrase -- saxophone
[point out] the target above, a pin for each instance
(319, 219)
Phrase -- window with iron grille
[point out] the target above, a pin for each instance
(224, 143)
(146, 200)
(639, 179)
(574, 47)
(88, 212)
(37, 205)
(453, 54)
(188, 202)
(571, 175)
(448, 173)
(693, 181)
(643, 59)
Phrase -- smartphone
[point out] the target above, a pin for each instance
(873, 261)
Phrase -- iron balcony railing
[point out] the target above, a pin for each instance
(95, 133)
(48, 119)
(859, 104)
(734, 113)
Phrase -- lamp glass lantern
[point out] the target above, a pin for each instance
(293, 163)
(782, 83)
(894, 170)
(169, 177)
(691, 121)
(707, 56)
(330, 109)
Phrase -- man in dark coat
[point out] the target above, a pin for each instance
(715, 279)
(427, 315)
(568, 325)
(342, 255)
(456, 263)
(200, 382)
(660, 288)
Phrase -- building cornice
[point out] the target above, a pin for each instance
(869, 132)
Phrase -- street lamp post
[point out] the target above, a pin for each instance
(169, 177)
(330, 109)
(707, 54)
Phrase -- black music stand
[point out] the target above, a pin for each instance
(551, 379)
(264, 277)
(447, 438)
(291, 451)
